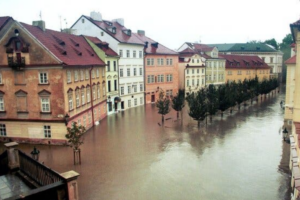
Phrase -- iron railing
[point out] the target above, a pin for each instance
(37, 171)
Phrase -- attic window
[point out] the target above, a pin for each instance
(59, 41)
(127, 32)
(75, 43)
(154, 44)
(108, 23)
(77, 52)
(113, 30)
(60, 50)
(91, 53)
(102, 33)
(82, 20)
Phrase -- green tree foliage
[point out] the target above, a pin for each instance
(212, 100)
(163, 105)
(285, 48)
(178, 101)
(273, 43)
(74, 135)
(197, 105)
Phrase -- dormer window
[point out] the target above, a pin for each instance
(18, 45)
(114, 30)
(127, 32)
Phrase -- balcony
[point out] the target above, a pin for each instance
(16, 63)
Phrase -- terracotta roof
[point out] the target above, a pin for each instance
(3, 21)
(104, 46)
(70, 49)
(291, 60)
(244, 61)
(120, 31)
(153, 47)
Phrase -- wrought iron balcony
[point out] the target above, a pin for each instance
(16, 63)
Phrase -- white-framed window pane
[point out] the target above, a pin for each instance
(121, 72)
(77, 98)
(47, 131)
(70, 100)
(81, 75)
(69, 77)
(2, 130)
(76, 75)
(82, 96)
(43, 78)
(45, 103)
(88, 94)
(1, 104)
(1, 78)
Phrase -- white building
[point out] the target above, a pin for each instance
(128, 46)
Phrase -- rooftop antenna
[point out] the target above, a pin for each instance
(41, 15)
(66, 23)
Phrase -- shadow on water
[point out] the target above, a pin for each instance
(130, 156)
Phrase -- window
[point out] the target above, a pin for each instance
(188, 83)
(103, 90)
(87, 75)
(214, 77)
(1, 78)
(150, 61)
(115, 85)
(109, 106)
(187, 71)
(229, 73)
(47, 131)
(198, 82)
(122, 90)
(84, 120)
(121, 53)
(45, 104)
(134, 53)
(103, 72)
(1, 103)
(197, 71)
(193, 82)
(82, 20)
(115, 66)
(169, 61)
(140, 54)
(169, 77)
(2, 130)
(141, 100)
(88, 94)
(135, 102)
(81, 75)
(108, 86)
(141, 71)
(150, 78)
(43, 78)
(202, 71)
(192, 71)
(141, 87)
(127, 53)
(82, 96)
(134, 71)
(93, 73)
(129, 89)
(77, 97)
(129, 103)
(135, 88)
(108, 66)
(239, 72)
(75, 75)
(97, 72)
(70, 100)
(128, 71)
(121, 72)
(160, 78)
(69, 78)
(98, 91)
(271, 59)
(192, 60)
(94, 92)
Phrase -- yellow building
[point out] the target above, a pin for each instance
(294, 94)
(239, 68)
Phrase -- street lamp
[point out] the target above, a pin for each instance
(285, 134)
(67, 119)
(35, 154)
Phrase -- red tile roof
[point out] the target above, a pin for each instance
(70, 49)
(188, 52)
(120, 33)
(291, 60)
(244, 61)
(153, 47)
(102, 45)
(3, 21)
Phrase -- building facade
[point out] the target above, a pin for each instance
(161, 69)
(239, 68)
(267, 53)
(130, 49)
(49, 79)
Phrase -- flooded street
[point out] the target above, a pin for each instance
(129, 156)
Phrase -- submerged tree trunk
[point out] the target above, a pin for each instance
(177, 114)
(162, 119)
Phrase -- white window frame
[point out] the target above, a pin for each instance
(81, 75)
(76, 75)
(121, 73)
(43, 78)
(2, 105)
(77, 96)
(2, 130)
(45, 104)
(82, 96)
(122, 90)
(88, 94)
(69, 76)
(47, 131)
(70, 100)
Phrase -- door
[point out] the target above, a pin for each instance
(116, 106)
(152, 98)
(122, 104)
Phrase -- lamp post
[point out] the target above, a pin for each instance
(35, 154)
(67, 117)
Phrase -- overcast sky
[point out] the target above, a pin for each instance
(170, 22)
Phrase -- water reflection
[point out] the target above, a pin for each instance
(130, 156)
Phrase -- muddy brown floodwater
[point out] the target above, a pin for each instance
(129, 156)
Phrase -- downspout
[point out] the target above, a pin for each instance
(91, 94)
(144, 61)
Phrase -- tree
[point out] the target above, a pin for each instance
(75, 139)
(163, 105)
(272, 42)
(178, 102)
(197, 105)
(285, 48)
(212, 100)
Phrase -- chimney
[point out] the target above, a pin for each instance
(40, 24)
(96, 16)
(119, 20)
(141, 32)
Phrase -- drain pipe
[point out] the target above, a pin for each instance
(91, 95)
